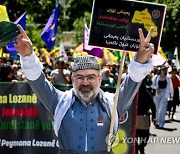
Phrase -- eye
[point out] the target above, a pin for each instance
(91, 77)
(79, 78)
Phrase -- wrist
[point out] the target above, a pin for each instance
(139, 60)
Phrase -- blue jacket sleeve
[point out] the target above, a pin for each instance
(128, 90)
(131, 84)
(46, 92)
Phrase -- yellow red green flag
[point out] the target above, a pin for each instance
(162, 53)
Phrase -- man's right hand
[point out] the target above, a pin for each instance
(23, 44)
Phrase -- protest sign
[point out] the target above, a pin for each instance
(114, 24)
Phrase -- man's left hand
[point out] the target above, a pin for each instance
(145, 48)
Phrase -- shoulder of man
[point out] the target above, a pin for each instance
(107, 97)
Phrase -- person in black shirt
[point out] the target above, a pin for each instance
(145, 104)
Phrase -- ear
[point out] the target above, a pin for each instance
(100, 78)
(72, 78)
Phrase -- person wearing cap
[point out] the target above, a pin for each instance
(82, 115)
(164, 91)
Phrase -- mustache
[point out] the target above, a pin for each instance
(85, 86)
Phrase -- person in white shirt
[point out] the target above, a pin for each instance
(164, 91)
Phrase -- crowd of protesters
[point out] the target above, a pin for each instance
(162, 82)
(161, 86)
(161, 90)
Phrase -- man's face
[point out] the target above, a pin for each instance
(86, 84)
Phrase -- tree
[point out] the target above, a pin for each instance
(79, 27)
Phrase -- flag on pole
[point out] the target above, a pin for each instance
(118, 54)
(3, 55)
(162, 53)
(46, 56)
(109, 57)
(1, 52)
(3, 13)
(131, 55)
(49, 33)
(21, 21)
(98, 52)
(159, 59)
(176, 62)
(86, 47)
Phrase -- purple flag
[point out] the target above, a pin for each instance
(22, 21)
(90, 49)
(49, 33)
(86, 47)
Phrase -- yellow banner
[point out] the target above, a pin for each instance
(162, 53)
(3, 13)
(1, 52)
(131, 55)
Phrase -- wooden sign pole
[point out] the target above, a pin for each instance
(113, 115)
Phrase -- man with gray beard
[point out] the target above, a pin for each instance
(82, 115)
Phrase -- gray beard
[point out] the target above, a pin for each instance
(87, 96)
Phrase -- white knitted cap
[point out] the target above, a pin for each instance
(85, 62)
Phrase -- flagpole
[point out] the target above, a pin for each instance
(56, 2)
(56, 41)
(113, 115)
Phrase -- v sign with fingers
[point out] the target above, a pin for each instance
(22, 43)
(145, 48)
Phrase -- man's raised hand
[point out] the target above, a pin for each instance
(145, 48)
(22, 43)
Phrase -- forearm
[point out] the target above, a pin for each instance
(138, 71)
(128, 90)
(131, 84)
(46, 93)
(31, 66)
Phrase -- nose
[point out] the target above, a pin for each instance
(85, 81)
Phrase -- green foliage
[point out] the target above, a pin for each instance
(79, 27)
(76, 10)
(34, 32)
